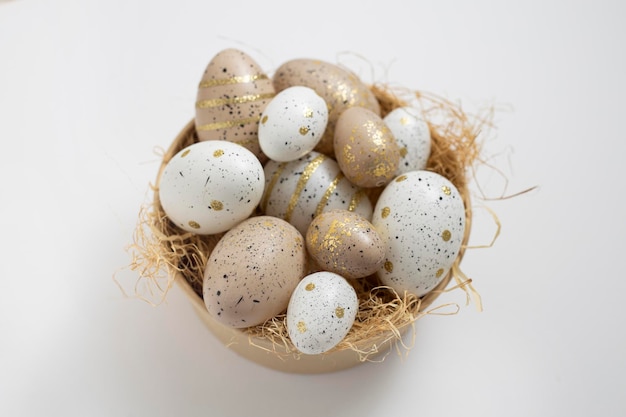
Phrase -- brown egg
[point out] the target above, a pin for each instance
(340, 89)
(345, 243)
(232, 94)
(365, 148)
(253, 270)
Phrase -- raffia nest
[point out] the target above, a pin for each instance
(162, 252)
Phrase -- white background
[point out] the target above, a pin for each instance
(88, 90)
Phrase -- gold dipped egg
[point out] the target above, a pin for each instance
(232, 95)
(345, 243)
(365, 148)
(340, 88)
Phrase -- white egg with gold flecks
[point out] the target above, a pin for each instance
(420, 217)
(321, 312)
(292, 124)
(412, 135)
(208, 187)
(297, 191)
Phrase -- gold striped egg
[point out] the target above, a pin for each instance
(298, 191)
(232, 94)
(340, 88)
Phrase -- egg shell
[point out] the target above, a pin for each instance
(365, 148)
(208, 187)
(253, 270)
(292, 124)
(339, 87)
(298, 191)
(321, 312)
(412, 135)
(232, 94)
(345, 243)
(420, 216)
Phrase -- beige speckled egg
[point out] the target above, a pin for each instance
(345, 243)
(297, 191)
(253, 270)
(339, 87)
(365, 148)
(232, 94)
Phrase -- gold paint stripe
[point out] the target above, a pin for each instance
(228, 124)
(272, 183)
(356, 199)
(217, 102)
(329, 191)
(304, 178)
(233, 80)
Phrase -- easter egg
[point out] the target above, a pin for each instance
(208, 187)
(321, 312)
(252, 271)
(231, 96)
(292, 124)
(365, 148)
(339, 88)
(346, 243)
(420, 217)
(412, 135)
(297, 191)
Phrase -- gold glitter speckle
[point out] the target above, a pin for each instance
(218, 153)
(308, 113)
(264, 120)
(385, 212)
(401, 178)
(403, 152)
(404, 121)
(218, 102)
(228, 124)
(446, 190)
(217, 205)
(439, 273)
(388, 266)
(446, 235)
(194, 224)
(304, 178)
(301, 327)
(185, 153)
(339, 312)
(233, 80)
(310, 286)
(304, 130)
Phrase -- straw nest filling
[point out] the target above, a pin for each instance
(162, 251)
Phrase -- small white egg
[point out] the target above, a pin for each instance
(412, 136)
(292, 124)
(321, 312)
(208, 187)
(420, 217)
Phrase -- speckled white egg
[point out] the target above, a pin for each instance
(208, 187)
(292, 123)
(412, 136)
(321, 312)
(420, 216)
(298, 191)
